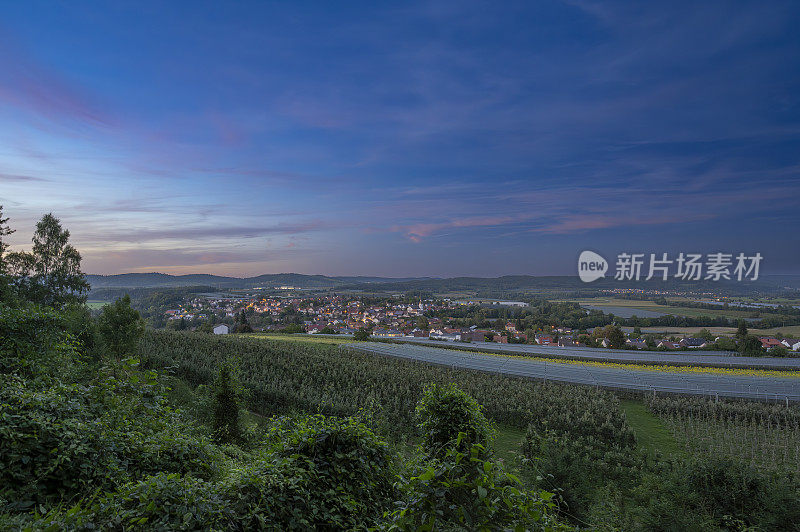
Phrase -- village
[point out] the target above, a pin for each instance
(399, 318)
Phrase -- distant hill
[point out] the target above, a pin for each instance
(488, 286)
(157, 280)
(507, 286)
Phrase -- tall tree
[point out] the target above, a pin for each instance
(51, 273)
(242, 325)
(615, 336)
(228, 399)
(5, 230)
(741, 332)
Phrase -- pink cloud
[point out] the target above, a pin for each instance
(28, 84)
(417, 232)
(588, 222)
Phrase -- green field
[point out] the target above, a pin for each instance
(329, 340)
(508, 443)
(791, 330)
(95, 304)
(652, 434)
(669, 309)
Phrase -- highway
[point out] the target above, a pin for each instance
(781, 389)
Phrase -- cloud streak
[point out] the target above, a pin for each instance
(209, 232)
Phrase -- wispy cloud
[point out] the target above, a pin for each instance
(26, 83)
(186, 233)
(17, 178)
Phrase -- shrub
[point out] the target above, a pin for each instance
(710, 493)
(361, 335)
(316, 472)
(448, 417)
(160, 502)
(34, 343)
(578, 468)
(464, 491)
(120, 326)
(69, 440)
(227, 394)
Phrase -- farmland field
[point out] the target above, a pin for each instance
(765, 436)
(650, 307)
(578, 441)
(789, 330)
(329, 340)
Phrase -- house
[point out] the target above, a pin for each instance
(221, 329)
(474, 335)
(447, 334)
(511, 327)
(693, 343)
(500, 339)
(387, 333)
(316, 328)
(636, 343)
(668, 345)
(791, 343)
(544, 339)
(567, 341)
(769, 343)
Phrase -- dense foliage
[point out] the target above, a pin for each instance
(446, 413)
(90, 440)
(100, 447)
(723, 480)
(120, 326)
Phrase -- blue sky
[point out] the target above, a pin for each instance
(401, 139)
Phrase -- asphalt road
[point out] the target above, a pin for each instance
(679, 358)
(709, 384)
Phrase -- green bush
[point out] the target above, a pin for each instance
(341, 470)
(165, 501)
(448, 417)
(577, 446)
(227, 401)
(120, 326)
(35, 343)
(457, 486)
(361, 335)
(311, 473)
(578, 468)
(465, 491)
(707, 493)
(71, 439)
(160, 502)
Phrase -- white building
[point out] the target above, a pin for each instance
(791, 343)
(221, 329)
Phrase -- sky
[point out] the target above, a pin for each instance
(401, 138)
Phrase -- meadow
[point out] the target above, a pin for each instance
(668, 309)
(632, 306)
